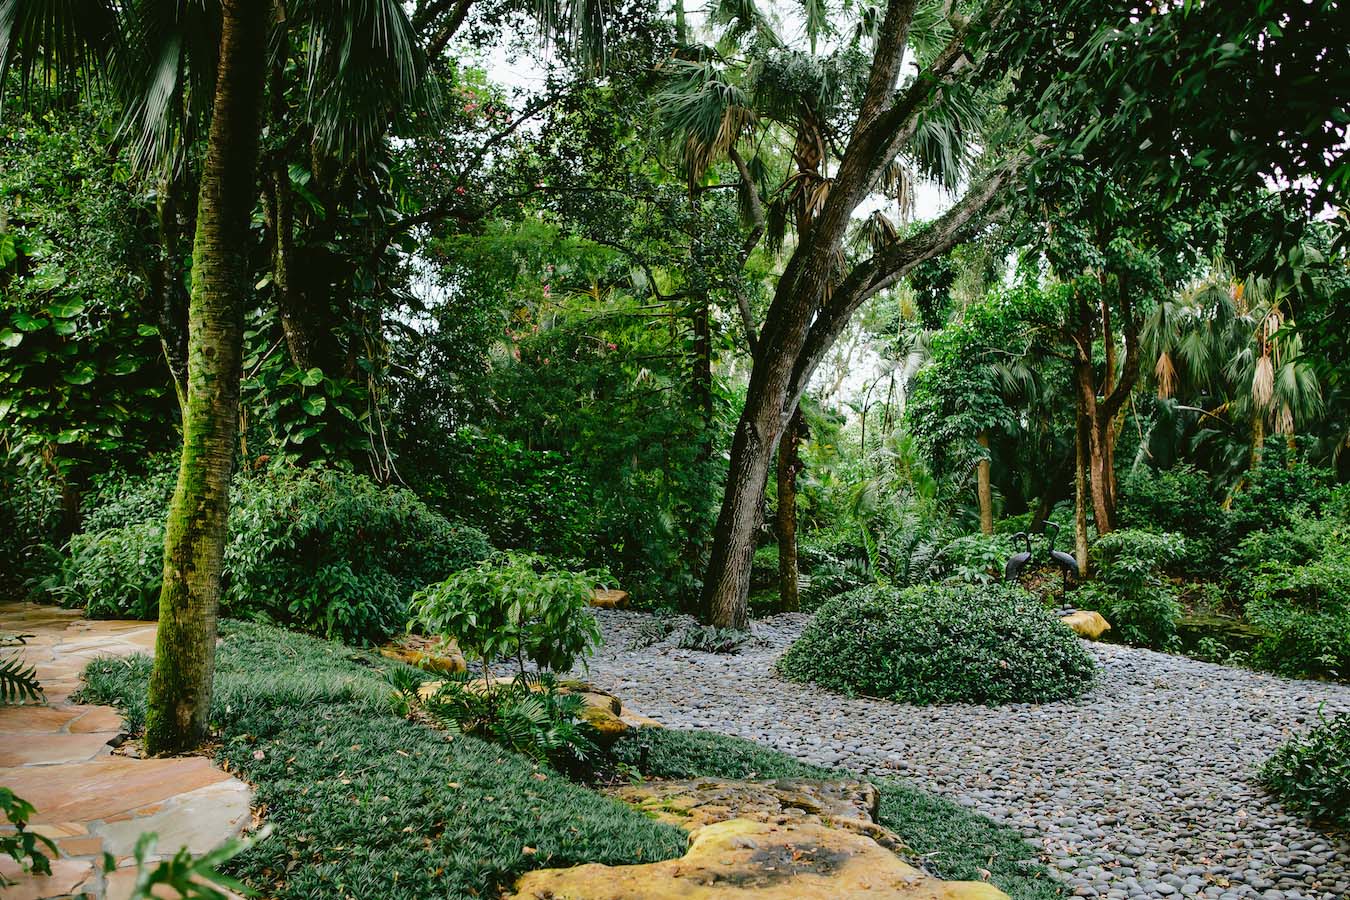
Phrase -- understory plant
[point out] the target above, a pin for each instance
(18, 682)
(711, 639)
(26, 847)
(1131, 588)
(1311, 773)
(1304, 613)
(526, 715)
(514, 605)
(942, 643)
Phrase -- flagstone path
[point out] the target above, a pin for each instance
(89, 801)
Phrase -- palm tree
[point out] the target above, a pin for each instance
(165, 58)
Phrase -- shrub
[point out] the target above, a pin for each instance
(1304, 611)
(764, 567)
(30, 512)
(973, 558)
(527, 715)
(941, 644)
(1312, 773)
(711, 639)
(115, 573)
(336, 553)
(324, 550)
(1303, 538)
(514, 605)
(119, 498)
(1276, 492)
(1179, 500)
(1130, 589)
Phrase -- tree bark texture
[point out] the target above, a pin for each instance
(785, 518)
(983, 489)
(180, 683)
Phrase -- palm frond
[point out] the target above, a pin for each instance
(363, 67)
(57, 43)
(18, 682)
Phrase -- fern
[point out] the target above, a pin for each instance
(18, 682)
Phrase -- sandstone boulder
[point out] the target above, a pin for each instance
(610, 599)
(442, 657)
(1087, 623)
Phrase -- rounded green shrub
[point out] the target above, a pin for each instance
(1311, 774)
(116, 573)
(944, 643)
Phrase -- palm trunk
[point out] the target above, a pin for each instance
(785, 520)
(1258, 439)
(180, 683)
(983, 489)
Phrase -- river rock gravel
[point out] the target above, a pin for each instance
(1145, 787)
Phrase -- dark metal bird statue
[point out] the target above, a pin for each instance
(1064, 560)
(1018, 561)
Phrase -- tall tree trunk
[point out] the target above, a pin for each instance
(702, 374)
(785, 520)
(180, 683)
(1258, 439)
(1080, 492)
(171, 299)
(983, 488)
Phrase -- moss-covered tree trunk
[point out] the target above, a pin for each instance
(180, 684)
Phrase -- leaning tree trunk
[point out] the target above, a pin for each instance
(983, 489)
(180, 683)
(785, 519)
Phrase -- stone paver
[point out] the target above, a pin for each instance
(58, 757)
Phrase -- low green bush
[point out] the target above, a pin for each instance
(1276, 492)
(527, 715)
(952, 842)
(1311, 773)
(30, 514)
(948, 643)
(516, 606)
(1304, 612)
(1179, 500)
(1130, 587)
(115, 573)
(325, 550)
(367, 804)
(973, 558)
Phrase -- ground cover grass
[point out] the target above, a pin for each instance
(365, 803)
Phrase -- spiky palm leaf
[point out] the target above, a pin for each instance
(57, 42)
(18, 682)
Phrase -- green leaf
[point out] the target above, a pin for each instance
(83, 375)
(147, 331)
(312, 377)
(66, 309)
(10, 338)
(25, 322)
(315, 404)
(69, 436)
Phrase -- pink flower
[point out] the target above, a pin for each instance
(459, 190)
(613, 346)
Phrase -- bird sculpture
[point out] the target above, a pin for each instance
(1018, 561)
(1064, 560)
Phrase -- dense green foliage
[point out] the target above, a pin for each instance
(346, 782)
(527, 715)
(514, 605)
(1311, 773)
(325, 550)
(941, 644)
(23, 845)
(953, 842)
(1131, 589)
(1302, 603)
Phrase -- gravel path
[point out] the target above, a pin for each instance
(1143, 788)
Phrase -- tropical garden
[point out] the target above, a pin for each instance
(939, 396)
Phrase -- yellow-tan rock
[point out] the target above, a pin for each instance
(606, 726)
(610, 599)
(443, 658)
(1087, 623)
(740, 859)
